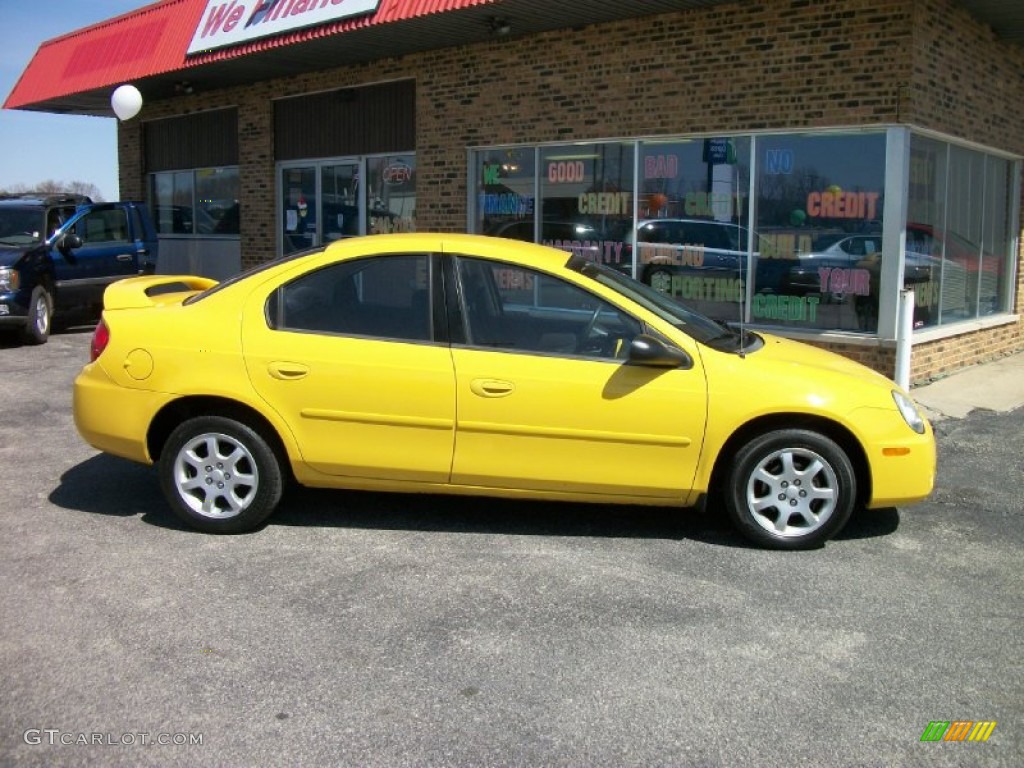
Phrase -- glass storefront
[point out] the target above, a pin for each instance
(691, 232)
(326, 200)
(819, 222)
(782, 230)
(203, 201)
(586, 200)
(959, 221)
(392, 194)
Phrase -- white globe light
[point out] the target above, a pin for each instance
(126, 101)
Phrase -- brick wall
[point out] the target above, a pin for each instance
(779, 64)
(964, 82)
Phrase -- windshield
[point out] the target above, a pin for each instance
(20, 226)
(695, 325)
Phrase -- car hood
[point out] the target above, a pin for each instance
(796, 359)
(785, 376)
(10, 254)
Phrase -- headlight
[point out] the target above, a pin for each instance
(909, 411)
(9, 280)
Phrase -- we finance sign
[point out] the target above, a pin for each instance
(230, 22)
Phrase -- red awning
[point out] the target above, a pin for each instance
(152, 41)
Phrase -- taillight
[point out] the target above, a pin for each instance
(100, 339)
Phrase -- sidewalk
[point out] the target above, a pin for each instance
(996, 386)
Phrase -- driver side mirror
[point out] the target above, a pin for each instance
(67, 243)
(654, 353)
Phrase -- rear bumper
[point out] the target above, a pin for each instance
(114, 419)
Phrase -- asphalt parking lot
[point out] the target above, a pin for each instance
(368, 629)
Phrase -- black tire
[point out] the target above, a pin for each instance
(790, 489)
(219, 475)
(40, 317)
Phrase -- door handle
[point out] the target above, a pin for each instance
(491, 387)
(124, 257)
(288, 371)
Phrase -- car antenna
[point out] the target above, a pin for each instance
(743, 332)
(743, 304)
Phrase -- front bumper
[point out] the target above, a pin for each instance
(902, 462)
(13, 311)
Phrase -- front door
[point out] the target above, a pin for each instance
(108, 253)
(547, 403)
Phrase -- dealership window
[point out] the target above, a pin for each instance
(691, 234)
(327, 200)
(959, 226)
(392, 194)
(202, 201)
(820, 251)
(506, 193)
(586, 200)
(819, 222)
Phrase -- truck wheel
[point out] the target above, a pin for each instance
(40, 314)
(790, 489)
(220, 475)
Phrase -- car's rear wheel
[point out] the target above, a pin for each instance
(40, 315)
(219, 475)
(790, 489)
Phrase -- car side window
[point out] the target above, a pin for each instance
(384, 297)
(103, 226)
(710, 236)
(653, 232)
(513, 308)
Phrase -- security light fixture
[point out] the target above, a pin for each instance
(499, 27)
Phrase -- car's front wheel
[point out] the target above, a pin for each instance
(40, 314)
(790, 489)
(219, 475)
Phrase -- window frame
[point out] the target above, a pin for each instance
(459, 314)
(437, 329)
(195, 182)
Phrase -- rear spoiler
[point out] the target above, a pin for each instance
(153, 290)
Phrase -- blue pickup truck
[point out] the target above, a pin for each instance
(59, 252)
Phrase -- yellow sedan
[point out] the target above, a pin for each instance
(442, 363)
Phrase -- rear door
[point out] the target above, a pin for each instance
(352, 358)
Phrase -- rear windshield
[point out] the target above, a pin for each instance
(250, 272)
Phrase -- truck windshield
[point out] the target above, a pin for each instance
(20, 226)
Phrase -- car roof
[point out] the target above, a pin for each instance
(526, 253)
(43, 198)
(396, 244)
